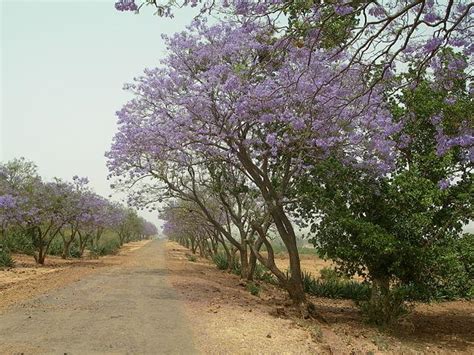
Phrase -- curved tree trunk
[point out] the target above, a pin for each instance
(253, 259)
(244, 263)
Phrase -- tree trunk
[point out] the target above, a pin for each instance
(201, 248)
(253, 260)
(244, 262)
(285, 229)
(82, 247)
(294, 285)
(66, 247)
(385, 307)
(41, 256)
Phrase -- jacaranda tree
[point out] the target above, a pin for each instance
(238, 94)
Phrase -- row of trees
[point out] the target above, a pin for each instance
(253, 126)
(38, 213)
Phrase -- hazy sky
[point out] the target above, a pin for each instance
(63, 67)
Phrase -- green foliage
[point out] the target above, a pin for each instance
(56, 247)
(74, 251)
(221, 261)
(263, 274)
(327, 274)
(235, 268)
(384, 309)
(450, 274)
(253, 288)
(18, 242)
(335, 287)
(107, 247)
(334, 30)
(6, 259)
(402, 228)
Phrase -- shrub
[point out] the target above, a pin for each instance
(329, 274)
(107, 248)
(384, 309)
(335, 287)
(6, 259)
(263, 274)
(56, 247)
(236, 268)
(74, 251)
(253, 288)
(449, 276)
(221, 261)
(17, 242)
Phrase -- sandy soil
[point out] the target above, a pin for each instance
(125, 304)
(27, 279)
(226, 318)
(127, 308)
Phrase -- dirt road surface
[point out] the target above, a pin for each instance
(129, 308)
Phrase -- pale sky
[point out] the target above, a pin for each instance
(63, 67)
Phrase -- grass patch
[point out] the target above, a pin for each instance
(262, 273)
(335, 287)
(221, 261)
(253, 288)
(6, 259)
(106, 247)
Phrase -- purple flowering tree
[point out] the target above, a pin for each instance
(46, 211)
(38, 212)
(237, 94)
(380, 35)
(186, 224)
(78, 210)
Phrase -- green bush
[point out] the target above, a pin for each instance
(108, 247)
(18, 242)
(253, 288)
(74, 251)
(235, 267)
(449, 275)
(329, 274)
(385, 309)
(339, 288)
(56, 247)
(263, 274)
(6, 259)
(221, 261)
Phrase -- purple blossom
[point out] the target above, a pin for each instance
(126, 5)
(376, 11)
(432, 44)
(444, 184)
(431, 17)
(343, 10)
(7, 202)
(450, 100)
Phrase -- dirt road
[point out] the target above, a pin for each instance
(129, 308)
